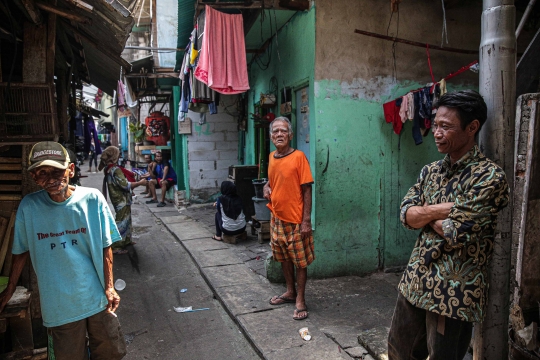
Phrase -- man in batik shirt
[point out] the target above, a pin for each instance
(455, 202)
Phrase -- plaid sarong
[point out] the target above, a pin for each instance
(287, 243)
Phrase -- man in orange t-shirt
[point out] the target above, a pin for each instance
(289, 192)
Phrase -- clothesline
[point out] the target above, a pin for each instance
(417, 105)
(447, 77)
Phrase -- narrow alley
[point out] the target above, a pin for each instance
(155, 270)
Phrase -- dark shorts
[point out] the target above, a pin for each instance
(105, 339)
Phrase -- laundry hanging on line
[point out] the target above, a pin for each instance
(222, 61)
(420, 110)
(195, 96)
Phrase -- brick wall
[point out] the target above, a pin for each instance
(212, 148)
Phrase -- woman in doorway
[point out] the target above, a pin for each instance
(230, 219)
(119, 182)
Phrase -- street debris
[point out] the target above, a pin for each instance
(183, 290)
(188, 309)
(304, 333)
(119, 284)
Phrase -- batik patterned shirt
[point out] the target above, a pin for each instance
(448, 275)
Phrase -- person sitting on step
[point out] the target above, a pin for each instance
(165, 178)
(230, 219)
(149, 174)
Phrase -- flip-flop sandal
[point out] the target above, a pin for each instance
(297, 311)
(215, 238)
(161, 204)
(152, 201)
(147, 197)
(284, 300)
(144, 193)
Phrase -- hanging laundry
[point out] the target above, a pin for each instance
(443, 86)
(404, 108)
(222, 59)
(416, 133)
(410, 103)
(391, 114)
(90, 133)
(425, 109)
(121, 95)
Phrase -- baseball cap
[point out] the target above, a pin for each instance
(48, 153)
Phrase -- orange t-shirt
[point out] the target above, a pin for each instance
(286, 175)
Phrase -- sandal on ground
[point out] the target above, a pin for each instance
(297, 311)
(161, 204)
(214, 237)
(144, 193)
(279, 299)
(147, 197)
(152, 201)
(120, 252)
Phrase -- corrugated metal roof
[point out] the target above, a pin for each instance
(186, 13)
(103, 39)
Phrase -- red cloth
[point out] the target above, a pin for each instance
(222, 59)
(391, 114)
(130, 176)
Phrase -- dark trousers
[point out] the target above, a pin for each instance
(417, 333)
(220, 229)
(93, 158)
(106, 340)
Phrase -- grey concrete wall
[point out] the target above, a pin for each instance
(212, 148)
(343, 55)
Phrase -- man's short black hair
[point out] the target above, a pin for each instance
(469, 104)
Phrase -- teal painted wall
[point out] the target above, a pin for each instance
(363, 169)
(297, 53)
(177, 141)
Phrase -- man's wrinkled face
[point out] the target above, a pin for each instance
(159, 157)
(52, 179)
(280, 134)
(449, 136)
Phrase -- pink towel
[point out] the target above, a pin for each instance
(222, 60)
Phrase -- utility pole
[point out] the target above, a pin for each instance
(498, 87)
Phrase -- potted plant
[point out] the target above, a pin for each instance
(138, 130)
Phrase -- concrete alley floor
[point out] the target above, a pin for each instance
(155, 270)
(349, 316)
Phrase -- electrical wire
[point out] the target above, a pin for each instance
(394, 44)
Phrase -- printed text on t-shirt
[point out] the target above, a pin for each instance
(42, 236)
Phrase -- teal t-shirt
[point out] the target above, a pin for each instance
(66, 242)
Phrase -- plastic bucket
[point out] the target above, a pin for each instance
(258, 184)
(262, 212)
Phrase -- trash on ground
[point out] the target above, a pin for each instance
(182, 309)
(183, 290)
(188, 309)
(258, 258)
(119, 284)
(304, 333)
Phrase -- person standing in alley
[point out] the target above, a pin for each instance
(67, 231)
(289, 193)
(92, 157)
(120, 183)
(165, 178)
(455, 202)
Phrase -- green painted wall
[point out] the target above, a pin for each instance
(363, 169)
(297, 53)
